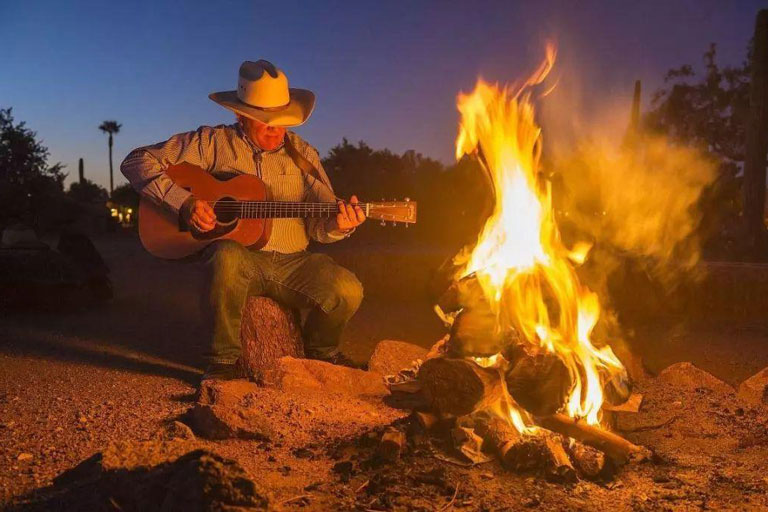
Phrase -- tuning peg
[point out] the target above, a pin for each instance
(407, 199)
(383, 223)
(406, 225)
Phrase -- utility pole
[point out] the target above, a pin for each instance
(81, 171)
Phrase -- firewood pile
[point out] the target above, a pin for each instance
(471, 385)
(463, 392)
(464, 403)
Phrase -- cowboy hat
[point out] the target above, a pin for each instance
(263, 94)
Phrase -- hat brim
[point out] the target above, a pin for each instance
(296, 113)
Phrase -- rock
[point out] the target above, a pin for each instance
(176, 430)
(227, 410)
(754, 390)
(268, 332)
(307, 374)
(154, 476)
(686, 375)
(230, 393)
(125, 455)
(389, 356)
(218, 422)
(24, 457)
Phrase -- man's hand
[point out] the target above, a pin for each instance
(349, 217)
(199, 215)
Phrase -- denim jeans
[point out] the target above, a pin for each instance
(300, 280)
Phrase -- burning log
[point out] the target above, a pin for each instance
(268, 332)
(589, 461)
(539, 383)
(459, 386)
(474, 333)
(616, 447)
(519, 452)
(502, 439)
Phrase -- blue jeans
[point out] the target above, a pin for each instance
(298, 280)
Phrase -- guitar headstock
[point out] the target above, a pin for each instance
(394, 211)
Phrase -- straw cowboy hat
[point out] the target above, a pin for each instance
(263, 94)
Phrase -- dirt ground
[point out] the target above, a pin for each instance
(71, 383)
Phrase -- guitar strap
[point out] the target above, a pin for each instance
(301, 162)
(305, 165)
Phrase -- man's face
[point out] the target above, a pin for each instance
(267, 137)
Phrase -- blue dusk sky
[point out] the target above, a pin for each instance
(384, 72)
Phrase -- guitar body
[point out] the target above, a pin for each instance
(159, 228)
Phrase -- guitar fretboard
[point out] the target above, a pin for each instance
(277, 209)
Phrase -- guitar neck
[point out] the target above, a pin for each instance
(279, 209)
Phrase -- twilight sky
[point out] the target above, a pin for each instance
(384, 72)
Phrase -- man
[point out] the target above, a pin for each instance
(258, 143)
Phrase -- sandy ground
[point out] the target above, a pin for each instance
(72, 382)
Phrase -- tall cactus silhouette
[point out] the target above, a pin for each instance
(110, 127)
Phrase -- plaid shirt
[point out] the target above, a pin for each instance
(226, 148)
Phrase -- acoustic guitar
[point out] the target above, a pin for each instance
(244, 213)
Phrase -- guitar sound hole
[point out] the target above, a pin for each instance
(225, 210)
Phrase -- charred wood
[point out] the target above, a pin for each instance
(540, 383)
(501, 439)
(558, 465)
(590, 462)
(459, 386)
(391, 445)
(616, 447)
(425, 420)
(474, 333)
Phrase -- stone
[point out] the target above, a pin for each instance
(686, 375)
(294, 374)
(219, 422)
(227, 410)
(754, 390)
(156, 476)
(175, 430)
(390, 356)
(268, 331)
(125, 455)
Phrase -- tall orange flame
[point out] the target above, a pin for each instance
(525, 271)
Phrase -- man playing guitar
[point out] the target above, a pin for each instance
(259, 144)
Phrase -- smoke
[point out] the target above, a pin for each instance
(633, 194)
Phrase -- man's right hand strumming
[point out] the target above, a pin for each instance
(198, 215)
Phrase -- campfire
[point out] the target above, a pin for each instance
(520, 372)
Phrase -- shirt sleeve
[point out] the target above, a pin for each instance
(145, 167)
(321, 191)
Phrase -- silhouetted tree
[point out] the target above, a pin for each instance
(110, 127)
(27, 183)
(87, 192)
(710, 112)
(451, 199)
(125, 195)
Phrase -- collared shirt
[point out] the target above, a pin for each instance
(226, 148)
